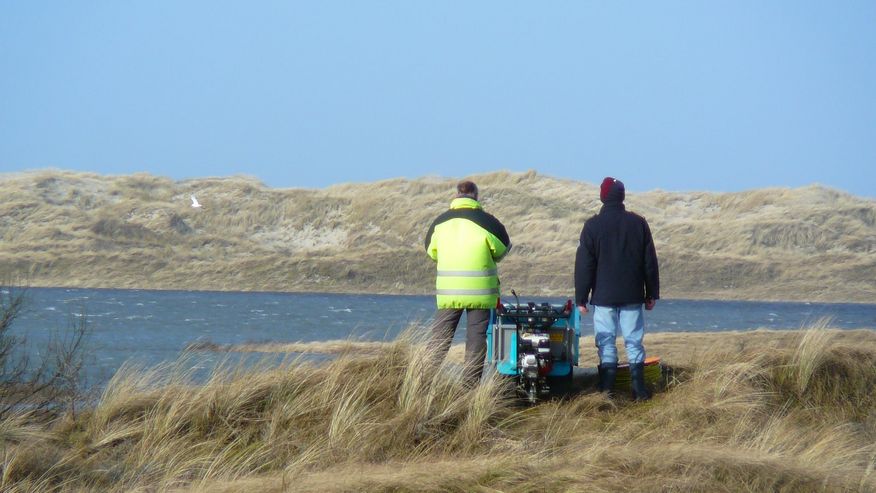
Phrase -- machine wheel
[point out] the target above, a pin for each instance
(562, 385)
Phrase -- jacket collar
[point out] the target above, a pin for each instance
(465, 203)
(613, 206)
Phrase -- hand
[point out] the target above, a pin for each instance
(649, 304)
(582, 309)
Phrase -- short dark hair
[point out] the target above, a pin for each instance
(467, 188)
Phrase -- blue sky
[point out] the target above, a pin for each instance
(718, 96)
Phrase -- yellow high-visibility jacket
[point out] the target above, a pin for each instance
(466, 242)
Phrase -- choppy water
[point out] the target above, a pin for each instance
(154, 326)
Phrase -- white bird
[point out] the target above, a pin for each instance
(195, 202)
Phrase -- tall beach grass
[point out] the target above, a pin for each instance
(797, 416)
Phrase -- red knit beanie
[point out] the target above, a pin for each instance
(611, 190)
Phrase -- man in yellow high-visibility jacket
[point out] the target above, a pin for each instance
(466, 242)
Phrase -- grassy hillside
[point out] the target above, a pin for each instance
(797, 416)
(74, 229)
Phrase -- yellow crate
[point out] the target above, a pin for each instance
(652, 374)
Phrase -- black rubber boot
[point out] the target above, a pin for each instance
(637, 381)
(607, 376)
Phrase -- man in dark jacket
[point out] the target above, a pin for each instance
(616, 271)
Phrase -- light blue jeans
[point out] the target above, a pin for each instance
(630, 319)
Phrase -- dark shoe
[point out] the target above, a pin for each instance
(637, 381)
(607, 376)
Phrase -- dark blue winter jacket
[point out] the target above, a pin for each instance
(616, 260)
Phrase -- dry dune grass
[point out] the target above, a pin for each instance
(317, 347)
(676, 348)
(797, 416)
(78, 229)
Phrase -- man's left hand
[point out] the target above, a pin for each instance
(649, 304)
(582, 310)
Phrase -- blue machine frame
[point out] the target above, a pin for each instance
(565, 333)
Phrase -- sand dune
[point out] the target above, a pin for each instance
(76, 229)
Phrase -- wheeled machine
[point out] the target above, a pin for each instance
(536, 344)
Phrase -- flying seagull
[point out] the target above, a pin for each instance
(195, 202)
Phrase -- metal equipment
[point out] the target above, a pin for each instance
(537, 344)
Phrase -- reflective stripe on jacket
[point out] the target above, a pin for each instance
(466, 242)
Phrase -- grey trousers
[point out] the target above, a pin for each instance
(443, 328)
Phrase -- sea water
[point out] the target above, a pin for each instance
(149, 327)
